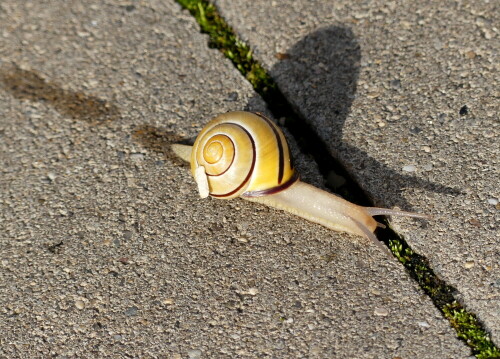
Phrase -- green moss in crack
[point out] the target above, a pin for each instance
(466, 324)
(403, 255)
(418, 267)
(469, 329)
(222, 37)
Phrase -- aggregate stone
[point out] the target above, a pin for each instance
(115, 255)
(428, 72)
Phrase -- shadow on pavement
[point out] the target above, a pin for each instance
(321, 73)
(158, 140)
(28, 85)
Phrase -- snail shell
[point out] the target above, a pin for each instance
(243, 154)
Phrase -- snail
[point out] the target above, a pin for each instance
(244, 154)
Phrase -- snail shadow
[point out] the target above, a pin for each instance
(319, 76)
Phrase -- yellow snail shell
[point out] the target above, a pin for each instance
(245, 154)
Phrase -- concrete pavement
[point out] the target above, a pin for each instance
(106, 249)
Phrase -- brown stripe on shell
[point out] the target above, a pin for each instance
(249, 172)
(273, 190)
(228, 167)
(281, 167)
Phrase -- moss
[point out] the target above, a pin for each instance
(419, 268)
(222, 37)
(469, 329)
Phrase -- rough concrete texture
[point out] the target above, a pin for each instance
(105, 249)
(406, 96)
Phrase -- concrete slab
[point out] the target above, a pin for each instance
(106, 251)
(406, 95)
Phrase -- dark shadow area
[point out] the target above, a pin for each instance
(158, 140)
(321, 72)
(28, 85)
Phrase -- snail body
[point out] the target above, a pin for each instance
(243, 154)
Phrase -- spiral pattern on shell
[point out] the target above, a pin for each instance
(245, 154)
